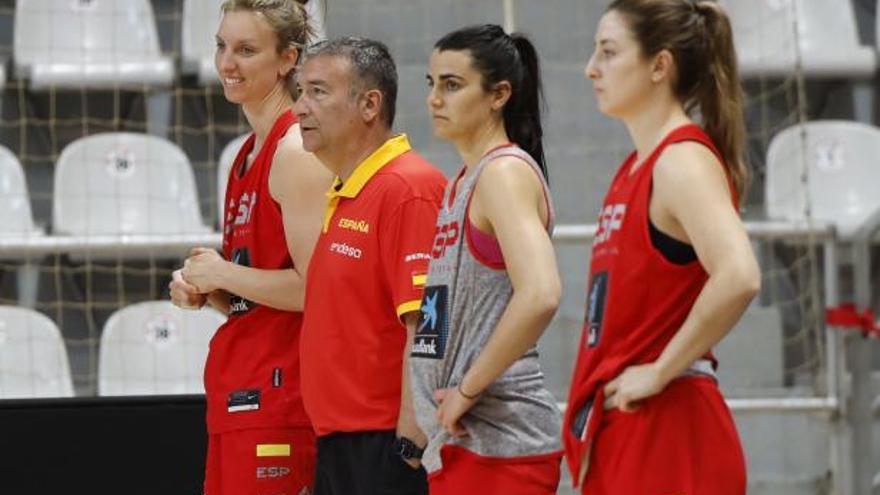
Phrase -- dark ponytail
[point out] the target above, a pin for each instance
(522, 114)
(512, 58)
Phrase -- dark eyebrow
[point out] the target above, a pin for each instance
(445, 77)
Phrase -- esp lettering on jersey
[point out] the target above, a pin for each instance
(432, 331)
(246, 206)
(610, 220)
(272, 472)
(239, 215)
(445, 235)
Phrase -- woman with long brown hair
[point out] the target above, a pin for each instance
(672, 269)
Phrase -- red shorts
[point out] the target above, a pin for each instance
(465, 473)
(680, 442)
(278, 461)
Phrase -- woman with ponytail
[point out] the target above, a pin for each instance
(260, 439)
(672, 269)
(493, 285)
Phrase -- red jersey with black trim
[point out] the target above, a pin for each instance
(637, 300)
(368, 269)
(252, 373)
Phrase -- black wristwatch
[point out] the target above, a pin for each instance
(407, 449)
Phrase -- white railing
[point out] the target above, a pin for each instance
(28, 247)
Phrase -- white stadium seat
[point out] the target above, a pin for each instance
(841, 169)
(230, 151)
(125, 183)
(315, 10)
(33, 361)
(95, 44)
(15, 203)
(91, 43)
(198, 27)
(16, 221)
(826, 38)
(154, 348)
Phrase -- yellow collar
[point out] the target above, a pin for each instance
(365, 170)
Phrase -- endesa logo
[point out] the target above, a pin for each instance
(345, 250)
(610, 219)
(445, 235)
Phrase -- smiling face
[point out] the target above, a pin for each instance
(247, 57)
(457, 101)
(620, 73)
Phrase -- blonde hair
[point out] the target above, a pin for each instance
(287, 18)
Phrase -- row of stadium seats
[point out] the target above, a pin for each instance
(96, 44)
(114, 183)
(148, 348)
(92, 43)
(99, 44)
(125, 183)
(153, 348)
(774, 37)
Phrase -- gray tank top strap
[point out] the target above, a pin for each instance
(516, 151)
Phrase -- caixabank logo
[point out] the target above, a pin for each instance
(237, 304)
(433, 328)
(596, 308)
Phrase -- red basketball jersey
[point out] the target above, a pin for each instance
(637, 300)
(252, 373)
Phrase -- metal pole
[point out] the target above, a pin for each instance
(859, 352)
(841, 435)
(509, 19)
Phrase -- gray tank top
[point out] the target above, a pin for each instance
(516, 415)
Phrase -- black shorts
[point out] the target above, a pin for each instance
(364, 463)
